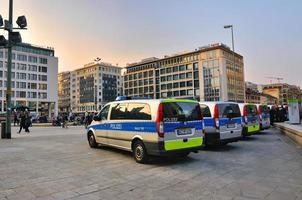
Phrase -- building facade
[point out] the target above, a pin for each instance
(283, 92)
(207, 74)
(268, 99)
(254, 94)
(94, 85)
(34, 71)
(64, 91)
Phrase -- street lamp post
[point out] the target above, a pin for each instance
(233, 49)
(13, 38)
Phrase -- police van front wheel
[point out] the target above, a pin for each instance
(139, 152)
(91, 140)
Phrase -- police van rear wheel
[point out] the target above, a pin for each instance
(91, 140)
(139, 152)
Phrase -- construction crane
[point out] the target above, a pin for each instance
(279, 79)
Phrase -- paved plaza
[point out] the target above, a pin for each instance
(56, 163)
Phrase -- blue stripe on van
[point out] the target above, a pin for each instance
(147, 127)
(171, 126)
(209, 122)
(224, 121)
(251, 118)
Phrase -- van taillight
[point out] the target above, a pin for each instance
(216, 116)
(160, 120)
(259, 110)
(244, 114)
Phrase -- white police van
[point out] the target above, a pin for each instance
(222, 122)
(149, 127)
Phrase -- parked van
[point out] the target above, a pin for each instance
(149, 127)
(264, 116)
(250, 118)
(222, 122)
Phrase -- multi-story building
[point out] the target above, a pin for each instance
(254, 94)
(64, 91)
(207, 73)
(268, 99)
(93, 86)
(34, 72)
(283, 92)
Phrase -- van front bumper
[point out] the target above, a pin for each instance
(158, 149)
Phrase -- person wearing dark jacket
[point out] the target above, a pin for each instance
(22, 121)
(27, 121)
(273, 113)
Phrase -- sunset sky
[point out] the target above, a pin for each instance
(267, 33)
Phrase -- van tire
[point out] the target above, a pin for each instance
(139, 152)
(91, 140)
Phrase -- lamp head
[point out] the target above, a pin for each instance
(228, 26)
(1, 21)
(21, 21)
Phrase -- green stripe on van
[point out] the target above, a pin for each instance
(179, 100)
(252, 129)
(180, 144)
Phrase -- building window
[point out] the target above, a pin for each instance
(21, 57)
(182, 68)
(32, 59)
(42, 69)
(43, 60)
(189, 75)
(182, 76)
(183, 92)
(183, 84)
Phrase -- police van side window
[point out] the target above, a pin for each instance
(139, 111)
(104, 113)
(131, 111)
(118, 111)
(205, 110)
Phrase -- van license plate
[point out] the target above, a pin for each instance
(186, 131)
(232, 125)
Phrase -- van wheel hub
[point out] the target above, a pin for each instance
(139, 151)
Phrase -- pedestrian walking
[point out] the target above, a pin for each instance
(22, 121)
(64, 121)
(27, 122)
(16, 121)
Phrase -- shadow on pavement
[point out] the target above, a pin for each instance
(218, 148)
(249, 138)
(154, 160)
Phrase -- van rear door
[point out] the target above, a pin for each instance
(182, 124)
(229, 120)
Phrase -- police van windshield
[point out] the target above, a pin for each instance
(181, 111)
(229, 110)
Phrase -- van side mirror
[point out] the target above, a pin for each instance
(96, 118)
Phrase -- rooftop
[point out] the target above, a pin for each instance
(198, 50)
